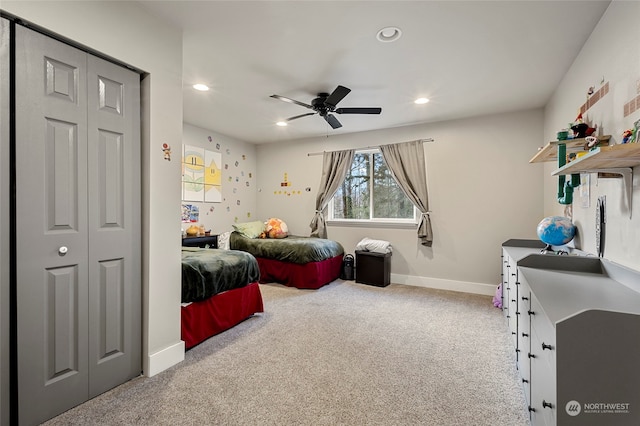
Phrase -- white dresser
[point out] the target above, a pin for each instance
(575, 322)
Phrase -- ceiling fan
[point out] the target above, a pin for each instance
(325, 105)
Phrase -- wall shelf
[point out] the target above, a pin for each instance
(549, 152)
(603, 157)
(618, 159)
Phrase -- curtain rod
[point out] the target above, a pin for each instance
(369, 147)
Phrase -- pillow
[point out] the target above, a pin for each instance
(276, 228)
(250, 229)
(223, 240)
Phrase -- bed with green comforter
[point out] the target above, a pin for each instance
(206, 272)
(303, 262)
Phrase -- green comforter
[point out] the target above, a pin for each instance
(206, 272)
(291, 249)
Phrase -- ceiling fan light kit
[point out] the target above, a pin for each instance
(325, 104)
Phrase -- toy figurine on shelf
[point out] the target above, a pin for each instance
(590, 142)
(582, 129)
(627, 136)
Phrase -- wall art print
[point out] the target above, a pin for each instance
(201, 175)
(190, 213)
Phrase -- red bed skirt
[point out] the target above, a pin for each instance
(201, 320)
(309, 275)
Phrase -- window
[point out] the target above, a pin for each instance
(369, 193)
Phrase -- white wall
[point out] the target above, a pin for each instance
(125, 31)
(4, 223)
(239, 180)
(612, 53)
(482, 191)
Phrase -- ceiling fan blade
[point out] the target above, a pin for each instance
(333, 121)
(293, 101)
(300, 116)
(357, 110)
(336, 96)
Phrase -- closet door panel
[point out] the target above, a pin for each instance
(114, 225)
(61, 174)
(78, 274)
(51, 226)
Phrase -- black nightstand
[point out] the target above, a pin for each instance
(210, 241)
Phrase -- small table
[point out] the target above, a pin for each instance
(210, 241)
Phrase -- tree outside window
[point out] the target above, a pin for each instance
(369, 192)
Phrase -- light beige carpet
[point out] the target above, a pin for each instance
(346, 354)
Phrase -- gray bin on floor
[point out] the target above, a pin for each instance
(373, 268)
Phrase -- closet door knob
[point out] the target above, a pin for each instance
(62, 251)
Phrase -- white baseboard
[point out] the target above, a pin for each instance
(165, 358)
(442, 284)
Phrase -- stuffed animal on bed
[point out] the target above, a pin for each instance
(276, 228)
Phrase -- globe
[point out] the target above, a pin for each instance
(556, 230)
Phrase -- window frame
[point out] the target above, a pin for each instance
(372, 222)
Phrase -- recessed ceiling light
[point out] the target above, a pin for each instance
(281, 123)
(420, 101)
(389, 34)
(201, 87)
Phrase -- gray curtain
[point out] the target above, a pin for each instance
(334, 169)
(407, 165)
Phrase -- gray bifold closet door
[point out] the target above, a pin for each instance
(78, 278)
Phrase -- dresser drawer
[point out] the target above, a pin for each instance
(540, 324)
(543, 380)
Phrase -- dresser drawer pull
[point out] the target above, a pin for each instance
(513, 300)
(525, 335)
(533, 410)
(545, 346)
(546, 404)
(531, 355)
(525, 381)
(531, 312)
(525, 298)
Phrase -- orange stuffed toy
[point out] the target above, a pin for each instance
(275, 228)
